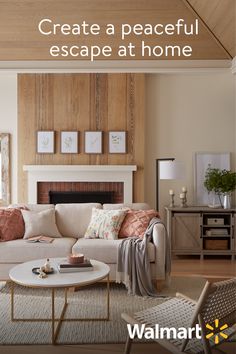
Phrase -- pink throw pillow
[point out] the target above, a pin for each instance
(12, 225)
(136, 223)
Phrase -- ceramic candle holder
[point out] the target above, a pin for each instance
(76, 258)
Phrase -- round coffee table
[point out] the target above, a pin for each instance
(22, 275)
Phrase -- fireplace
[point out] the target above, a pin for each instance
(56, 197)
(80, 178)
(80, 192)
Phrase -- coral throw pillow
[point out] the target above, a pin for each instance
(136, 223)
(105, 224)
(12, 226)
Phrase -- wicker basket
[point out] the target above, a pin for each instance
(216, 244)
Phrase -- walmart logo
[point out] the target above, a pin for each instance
(216, 329)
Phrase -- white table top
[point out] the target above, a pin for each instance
(22, 274)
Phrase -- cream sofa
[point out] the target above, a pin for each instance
(72, 221)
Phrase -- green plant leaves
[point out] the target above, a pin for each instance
(220, 181)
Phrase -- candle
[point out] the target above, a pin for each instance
(184, 189)
(76, 258)
(182, 195)
(171, 192)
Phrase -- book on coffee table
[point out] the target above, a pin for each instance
(74, 270)
(66, 267)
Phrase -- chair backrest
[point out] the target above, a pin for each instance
(217, 301)
(220, 303)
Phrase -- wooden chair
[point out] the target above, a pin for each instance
(215, 308)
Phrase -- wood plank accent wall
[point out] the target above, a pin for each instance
(81, 102)
(20, 38)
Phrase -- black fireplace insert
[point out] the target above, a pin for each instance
(56, 197)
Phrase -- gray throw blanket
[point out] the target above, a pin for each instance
(133, 265)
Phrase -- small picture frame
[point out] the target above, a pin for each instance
(117, 142)
(69, 142)
(93, 142)
(45, 142)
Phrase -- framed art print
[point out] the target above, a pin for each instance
(93, 142)
(45, 142)
(69, 142)
(117, 142)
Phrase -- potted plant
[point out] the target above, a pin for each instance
(213, 184)
(228, 185)
(221, 182)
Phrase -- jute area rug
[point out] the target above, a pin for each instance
(89, 301)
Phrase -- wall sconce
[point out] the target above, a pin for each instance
(168, 168)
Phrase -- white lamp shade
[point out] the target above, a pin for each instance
(171, 170)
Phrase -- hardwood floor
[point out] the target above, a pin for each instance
(210, 268)
(137, 348)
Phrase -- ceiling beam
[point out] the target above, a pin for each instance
(104, 66)
(187, 3)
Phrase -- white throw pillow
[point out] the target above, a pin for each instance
(105, 224)
(41, 223)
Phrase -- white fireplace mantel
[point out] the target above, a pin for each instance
(80, 173)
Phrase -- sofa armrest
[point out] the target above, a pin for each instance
(159, 241)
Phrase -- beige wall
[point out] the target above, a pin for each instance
(187, 113)
(8, 121)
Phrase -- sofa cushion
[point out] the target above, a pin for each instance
(42, 223)
(73, 219)
(18, 251)
(136, 223)
(33, 207)
(133, 206)
(105, 224)
(104, 250)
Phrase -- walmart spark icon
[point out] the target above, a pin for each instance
(218, 330)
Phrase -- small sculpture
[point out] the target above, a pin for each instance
(42, 274)
(46, 268)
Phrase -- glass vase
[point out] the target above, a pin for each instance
(214, 200)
